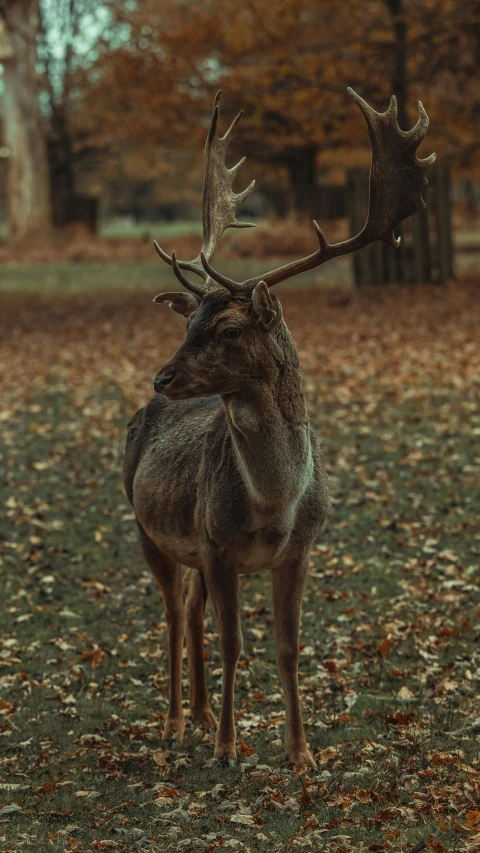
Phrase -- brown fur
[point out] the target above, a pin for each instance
(226, 477)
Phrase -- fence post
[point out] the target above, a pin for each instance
(443, 223)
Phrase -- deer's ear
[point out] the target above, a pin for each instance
(263, 305)
(182, 303)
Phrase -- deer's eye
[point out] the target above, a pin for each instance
(231, 332)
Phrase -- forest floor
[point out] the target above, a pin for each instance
(390, 652)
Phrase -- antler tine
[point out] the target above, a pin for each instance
(230, 285)
(324, 246)
(190, 266)
(194, 288)
(162, 253)
(235, 169)
(417, 133)
(397, 177)
(227, 136)
(214, 120)
(241, 197)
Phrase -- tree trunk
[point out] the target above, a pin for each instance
(420, 221)
(399, 86)
(62, 182)
(27, 184)
(300, 164)
(399, 71)
(277, 200)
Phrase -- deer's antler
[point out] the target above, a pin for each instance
(397, 178)
(220, 204)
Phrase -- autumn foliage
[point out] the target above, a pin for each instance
(150, 97)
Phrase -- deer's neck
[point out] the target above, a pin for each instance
(270, 434)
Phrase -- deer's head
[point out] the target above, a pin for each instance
(235, 329)
(231, 341)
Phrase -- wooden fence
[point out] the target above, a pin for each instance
(426, 251)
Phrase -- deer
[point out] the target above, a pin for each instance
(222, 466)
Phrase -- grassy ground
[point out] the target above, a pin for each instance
(390, 661)
(147, 277)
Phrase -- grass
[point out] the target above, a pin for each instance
(144, 277)
(390, 663)
(124, 227)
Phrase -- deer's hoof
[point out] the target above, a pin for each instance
(226, 762)
(300, 757)
(173, 729)
(204, 719)
(225, 754)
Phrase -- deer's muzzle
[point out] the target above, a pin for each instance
(162, 380)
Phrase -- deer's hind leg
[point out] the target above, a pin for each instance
(195, 593)
(288, 582)
(169, 575)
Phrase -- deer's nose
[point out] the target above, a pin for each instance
(161, 380)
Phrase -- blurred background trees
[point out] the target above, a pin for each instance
(24, 129)
(72, 35)
(111, 99)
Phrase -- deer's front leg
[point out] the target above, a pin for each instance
(222, 585)
(169, 575)
(288, 583)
